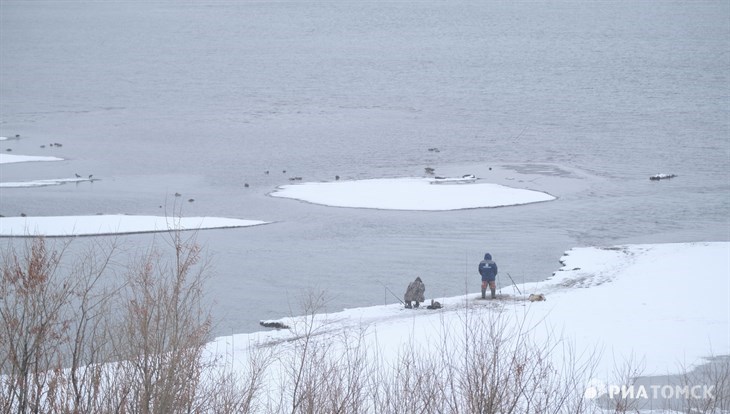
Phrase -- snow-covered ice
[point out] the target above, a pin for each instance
(69, 226)
(111, 224)
(410, 193)
(11, 158)
(42, 183)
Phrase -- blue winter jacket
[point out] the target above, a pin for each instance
(487, 268)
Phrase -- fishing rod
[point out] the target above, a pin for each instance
(513, 283)
(391, 292)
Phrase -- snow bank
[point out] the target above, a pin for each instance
(430, 194)
(60, 226)
(9, 158)
(42, 183)
(657, 305)
(665, 305)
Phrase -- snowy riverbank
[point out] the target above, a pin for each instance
(661, 308)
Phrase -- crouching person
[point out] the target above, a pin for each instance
(414, 293)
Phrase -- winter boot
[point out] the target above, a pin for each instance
(494, 294)
(484, 293)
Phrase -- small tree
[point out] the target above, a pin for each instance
(32, 325)
(52, 328)
(75, 341)
(163, 330)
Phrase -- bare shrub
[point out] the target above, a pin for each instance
(75, 341)
(506, 369)
(711, 382)
(625, 372)
(163, 330)
(411, 385)
(323, 371)
(226, 387)
(53, 328)
(32, 324)
(483, 364)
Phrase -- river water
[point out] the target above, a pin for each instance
(584, 100)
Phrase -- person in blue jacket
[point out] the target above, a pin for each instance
(488, 270)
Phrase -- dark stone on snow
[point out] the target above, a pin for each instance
(658, 177)
(273, 324)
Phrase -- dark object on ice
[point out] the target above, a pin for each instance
(177, 194)
(434, 150)
(77, 176)
(429, 170)
(273, 324)
(295, 178)
(8, 150)
(658, 177)
(434, 305)
(414, 293)
(337, 177)
(23, 215)
(191, 200)
(246, 185)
